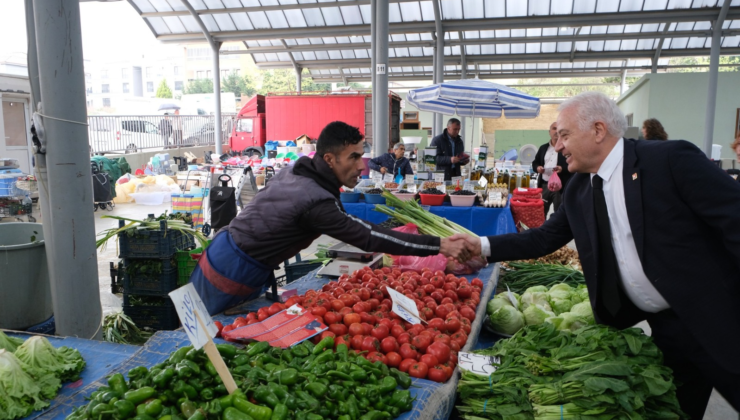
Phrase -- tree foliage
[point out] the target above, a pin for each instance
(164, 91)
(199, 86)
(283, 80)
(688, 61)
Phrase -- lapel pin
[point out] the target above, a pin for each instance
(634, 176)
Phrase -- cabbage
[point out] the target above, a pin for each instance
(536, 289)
(38, 353)
(582, 292)
(499, 301)
(507, 320)
(22, 391)
(561, 306)
(571, 322)
(535, 298)
(536, 314)
(560, 298)
(9, 343)
(584, 310)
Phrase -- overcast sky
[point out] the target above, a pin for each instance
(108, 30)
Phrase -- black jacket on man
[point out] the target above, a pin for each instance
(444, 154)
(684, 213)
(539, 160)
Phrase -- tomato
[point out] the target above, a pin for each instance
(239, 322)
(367, 318)
(251, 316)
(460, 338)
(356, 342)
(452, 325)
(389, 344)
(418, 370)
(403, 338)
(262, 314)
(426, 313)
(394, 359)
(359, 307)
(448, 368)
(406, 364)
(338, 329)
(437, 282)
(327, 334)
(291, 301)
(350, 319)
(370, 343)
(343, 339)
(450, 286)
(227, 328)
(467, 313)
(454, 346)
(442, 311)
(452, 295)
(421, 342)
(332, 318)
(438, 296)
(356, 329)
(441, 337)
(364, 293)
(428, 359)
(347, 299)
(373, 302)
(380, 332)
(407, 351)
(252, 321)
(446, 300)
(437, 374)
(464, 291)
(220, 327)
(453, 359)
(432, 305)
(387, 322)
(367, 328)
(477, 282)
(318, 311)
(436, 323)
(439, 350)
(367, 277)
(337, 305)
(466, 327)
(344, 311)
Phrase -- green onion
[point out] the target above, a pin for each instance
(149, 224)
(525, 275)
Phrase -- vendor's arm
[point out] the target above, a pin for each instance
(441, 160)
(375, 163)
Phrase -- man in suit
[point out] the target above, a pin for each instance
(450, 150)
(546, 161)
(657, 227)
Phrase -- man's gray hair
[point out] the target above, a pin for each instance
(397, 145)
(590, 107)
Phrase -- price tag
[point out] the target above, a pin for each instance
(478, 363)
(439, 177)
(522, 189)
(512, 299)
(483, 182)
(404, 307)
(469, 187)
(410, 179)
(496, 196)
(377, 177)
(187, 301)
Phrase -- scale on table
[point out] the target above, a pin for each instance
(347, 259)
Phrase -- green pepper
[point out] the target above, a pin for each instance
(190, 392)
(194, 354)
(168, 395)
(124, 409)
(372, 379)
(395, 411)
(312, 416)
(117, 383)
(100, 410)
(232, 413)
(207, 394)
(325, 357)
(188, 408)
(241, 369)
(336, 393)
(107, 396)
(165, 417)
(143, 417)
(140, 395)
(375, 415)
(300, 415)
(379, 405)
(271, 367)
(325, 343)
(259, 374)
(310, 401)
(137, 372)
(383, 368)
(358, 375)
(166, 411)
(363, 403)
(402, 399)
(240, 360)
(196, 384)
(280, 391)
(153, 408)
(214, 408)
(198, 415)
(264, 395)
(257, 348)
(255, 411)
(285, 355)
(179, 354)
(404, 380)
(227, 401)
(280, 412)
(299, 351)
(90, 407)
(286, 376)
(387, 385)
(163, 378)
(227, 351)
(352, 408)
(220, 389)
(317, 389)
(140, 409)
(308, 345)
(188, 367)
(344, 417)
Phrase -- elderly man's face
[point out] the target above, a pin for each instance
(553, 133)
(399, 151)
(582, 149)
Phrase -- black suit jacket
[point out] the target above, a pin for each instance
(539, 160)
(444, 154)
(684, 213)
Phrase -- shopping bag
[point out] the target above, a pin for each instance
(554, 183)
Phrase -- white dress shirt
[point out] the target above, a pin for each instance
(634, 281)
(551, 161)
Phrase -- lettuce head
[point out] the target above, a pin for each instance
(535, 298)
(536, 314)
(507, 320)
(38, 353)
(21, 393)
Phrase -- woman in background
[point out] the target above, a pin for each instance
(652, 129)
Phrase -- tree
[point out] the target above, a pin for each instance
(690, 61)
(239, 85)
(595, 84)
(283, 80)
(199, 86)
(164, 91)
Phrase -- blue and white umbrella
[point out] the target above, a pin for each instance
(475, 98)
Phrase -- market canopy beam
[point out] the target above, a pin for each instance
(268, 8)
(485, 24)
(660, 47)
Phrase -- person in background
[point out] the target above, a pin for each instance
(392, 162)
(450, 150)
(736, 147)
(646, 228)
(546, 161)
(177, 129)
(165, 129)
(652, 129)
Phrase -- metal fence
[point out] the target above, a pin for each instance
(131, 133)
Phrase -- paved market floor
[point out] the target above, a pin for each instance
(718, 408)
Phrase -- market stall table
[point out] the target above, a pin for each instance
(483, 221)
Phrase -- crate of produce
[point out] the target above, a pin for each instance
(154, 312)
(147, 243)
(149, 276)
(186, 264)
(116, 277)
(299, 269)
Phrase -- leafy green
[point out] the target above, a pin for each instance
(38, 353)
(9, 343)
(507, 320)
(535, 298)
(23, 389)
(536, 314)
(498, 302)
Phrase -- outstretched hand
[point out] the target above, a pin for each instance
(460, 247)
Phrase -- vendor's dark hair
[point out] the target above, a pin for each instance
(453, 121)
(335, 136)
(654, 130)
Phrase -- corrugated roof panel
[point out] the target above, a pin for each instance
(475, 50)
(538, 7)
(295, 18)
(428, 51)
(645, 44)
(503, 33)
(144, 6)
(267, 2)
(518, 66)
(655, 5)
(401, 52)
(516, 8)
(342, 39)
(581, 45)
(335, 55)
(251, 3)
(277, 19)
(159, 26)
(494, 8)
(679, 4)
(413, 37)
(629, 29)
(705, 3)
(564, 46)
(265, 43)
(678, 43)
(394, 13)
(471, 34)
(284, 56)
(271, 57)
(259, 58)
(615, 29)
(731, 41)
(332, 16)
(241, 20)
(362, 53)
(425, 36)
(735, 3)
(365, 10)
(532, 47)
(518, 33)
(321, 55)
(407, 69)
(702, 26)
(630, 5)
(590, 64)
(348, 54)
(596, 46)
(410, 12)
(561, 7)
(259, 20)
(554, 66)
(628, 45)
(398, 37)
(695, 42)
(685, 26)
(487, 34)
(518, 48)
(365, 70)
(418, 69)
(314, 17)
(503, 49)
(253, 44)
(391, 53)
(161, 5)
(176, 26)
(487, 49)
(427, 10)
(472, 9)
(650, 27)
(549, 31)
(507, 67)
(456, 50)
(452, 9)
(533, 32)
(191, 24)
(549, 47)
(416, 51)
(309, 55)
(607, 6)
(612, 45)
(352, 15)
(584, 6)
(598, 29)
(324, 40)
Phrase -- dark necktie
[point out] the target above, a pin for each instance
(608, 269)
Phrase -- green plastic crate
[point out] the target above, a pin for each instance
(185, 265)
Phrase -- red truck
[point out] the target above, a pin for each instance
(287, 116)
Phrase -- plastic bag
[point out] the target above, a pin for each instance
(410, 262)
(554, 183)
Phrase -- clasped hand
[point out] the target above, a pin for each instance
(460, 247)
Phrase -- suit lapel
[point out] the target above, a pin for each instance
(633, 195)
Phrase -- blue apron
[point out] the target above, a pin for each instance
(225, 276)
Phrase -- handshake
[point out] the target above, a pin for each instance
(460, 247)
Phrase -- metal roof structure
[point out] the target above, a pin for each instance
(494, 38)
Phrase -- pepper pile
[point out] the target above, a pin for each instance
(305, 382)
(357, 310)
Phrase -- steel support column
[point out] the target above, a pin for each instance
(373, 61)
(73, 263)
(623, 83)
(439, 62)
(381, 130)
(713, 76)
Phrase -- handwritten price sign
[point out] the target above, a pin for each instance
(187, 302)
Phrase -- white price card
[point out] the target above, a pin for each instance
(478, 363)
(377, 177)
(187, 301)
(483, 182)
(410, 179)
(439, 177)
(404, 307)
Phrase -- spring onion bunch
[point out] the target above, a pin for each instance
(412, 212)
(134, 225)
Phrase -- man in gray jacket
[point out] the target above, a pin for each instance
(298, 205)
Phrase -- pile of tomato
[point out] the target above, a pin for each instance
(357, 310)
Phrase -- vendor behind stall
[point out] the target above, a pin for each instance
(298, 205)
(392, 162)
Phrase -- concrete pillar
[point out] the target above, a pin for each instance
(218, 129)
(380, 131)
